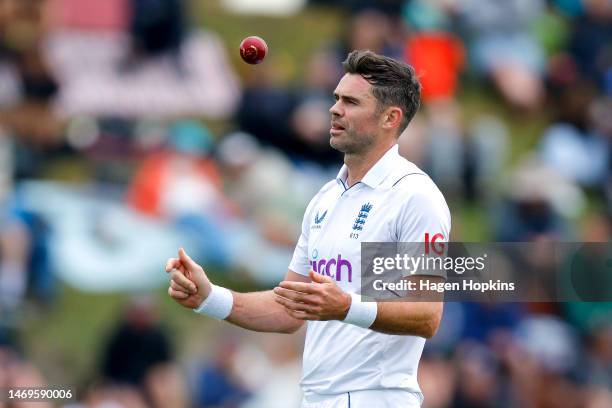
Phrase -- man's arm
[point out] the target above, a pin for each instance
(408, 317)
(257, 311)
(322, 299)
(417, 312)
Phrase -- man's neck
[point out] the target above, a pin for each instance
(359, 164)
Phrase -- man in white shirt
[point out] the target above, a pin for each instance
(357, 353)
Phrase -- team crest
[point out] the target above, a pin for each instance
(362, 217)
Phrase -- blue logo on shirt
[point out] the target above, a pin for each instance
(362, 216)
(319, 219)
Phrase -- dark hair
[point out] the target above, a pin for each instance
(394, 83)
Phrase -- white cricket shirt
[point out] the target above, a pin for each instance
(394, 202)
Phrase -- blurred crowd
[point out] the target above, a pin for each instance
(126, 132)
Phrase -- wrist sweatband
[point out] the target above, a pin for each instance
(218, 304)
(360, 313)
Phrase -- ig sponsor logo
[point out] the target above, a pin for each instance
(432, 244)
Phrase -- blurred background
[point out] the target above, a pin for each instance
(129, 128)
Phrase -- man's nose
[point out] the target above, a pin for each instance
(335, 109)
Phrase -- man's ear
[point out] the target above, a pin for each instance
(392, 117)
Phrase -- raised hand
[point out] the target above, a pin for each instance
(189, 285)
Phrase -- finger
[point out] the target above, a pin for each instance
(186, 260)
(191, 288)
(179, 288)
(295, 296)
(302, 315)
(320, 278)
(182, 280)
(177, 295)
(298, 286)
(291, 305)
(173, 263)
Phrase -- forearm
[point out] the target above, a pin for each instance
(258, 311)
(408, 318)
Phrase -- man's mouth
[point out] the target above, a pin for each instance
(336, 128)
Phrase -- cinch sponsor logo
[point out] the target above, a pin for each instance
(333, 268)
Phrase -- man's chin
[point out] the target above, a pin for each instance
(336, 144)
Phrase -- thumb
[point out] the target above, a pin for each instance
(189, 263)
(319, 278)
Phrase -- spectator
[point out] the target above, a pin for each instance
(578, 144)
(590, 39)
(477, 385)
(310, 117)
(436, 54)
(138, 354)
(599, 356)
(217, 384)
(157, 27)
(370, 29)
(437, 378)
(535, 206)
(245, 163)
(265, 110)
(185, 169)
(503, 48)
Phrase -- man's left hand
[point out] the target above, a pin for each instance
(320, 299)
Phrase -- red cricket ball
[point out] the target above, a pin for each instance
(253, 49)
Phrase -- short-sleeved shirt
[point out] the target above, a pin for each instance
(394, 202)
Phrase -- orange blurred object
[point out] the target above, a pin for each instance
(438, 58)
(153, 177)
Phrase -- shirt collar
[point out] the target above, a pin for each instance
(378, 172)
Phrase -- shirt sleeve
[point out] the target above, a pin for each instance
(299, 262)
(423, 230)
(424, 214)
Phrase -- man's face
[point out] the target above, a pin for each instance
(355, 119)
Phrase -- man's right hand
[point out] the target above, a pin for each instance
(189, 285)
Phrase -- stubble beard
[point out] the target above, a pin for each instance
(352, 143)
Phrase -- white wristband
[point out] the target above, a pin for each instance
(360, 313)
(218, 304)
